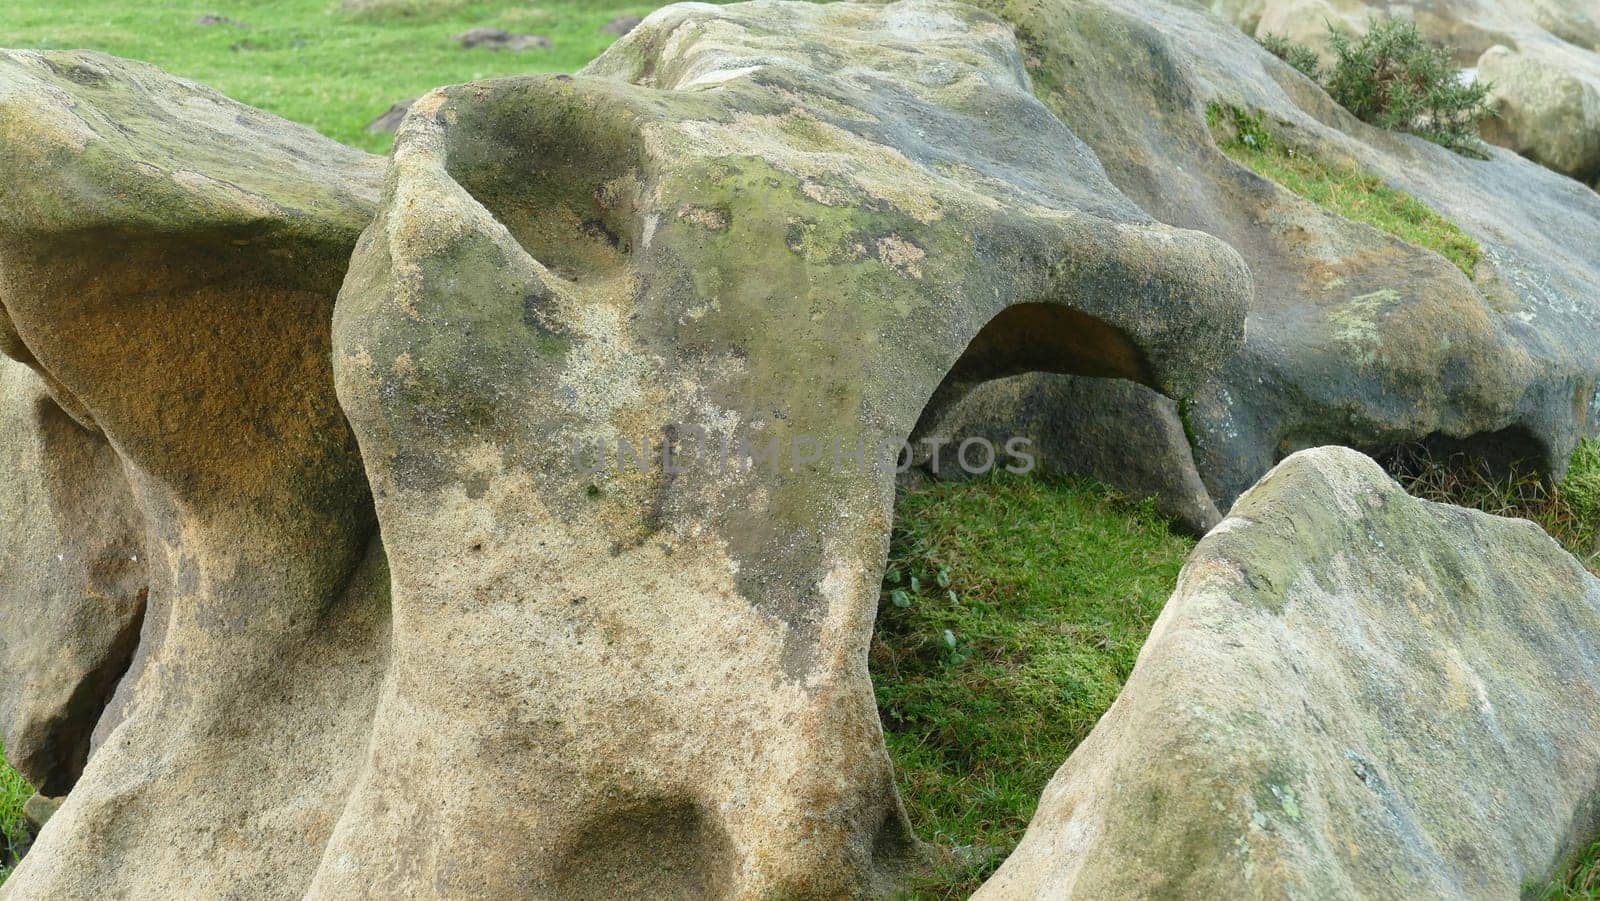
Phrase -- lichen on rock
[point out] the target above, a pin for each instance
(168, 266)
(767, 224)
(1351, 693)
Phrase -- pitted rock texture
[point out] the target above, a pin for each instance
(1354, 337)
(1542, 56)
(169, 261)
(779, 223)
(1352, 693)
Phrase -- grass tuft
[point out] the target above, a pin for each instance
(1582, 882)
(14, 793)
(1343, 189)
(1012, 611)
(1569, 510)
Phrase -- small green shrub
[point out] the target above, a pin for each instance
(1394, 79)
(1300, 56)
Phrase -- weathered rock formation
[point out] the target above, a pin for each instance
(498, 39)
(168, 265)
(71, 578)
(1352, 693)
(775, 226)
(1543, 57)
(1354, 337)
(603, 678)
(620, 366)
(1119, 432)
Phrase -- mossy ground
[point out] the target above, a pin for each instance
(1013, 609)
(1353, 194)
(325, 63)
(13, 794)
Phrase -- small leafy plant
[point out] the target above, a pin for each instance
(1392, 78)
(1299, 56)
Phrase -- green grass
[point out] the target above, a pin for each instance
(13, 794)
(1013, 610)
(1582, 883)
(1353, 194)
(312, 61)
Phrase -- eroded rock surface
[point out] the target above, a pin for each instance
(168, 266)
(72, 584)
(1352, 693)
(1354, 337)
(774, 240)
(778, 223)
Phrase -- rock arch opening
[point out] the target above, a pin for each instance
(1011, 609)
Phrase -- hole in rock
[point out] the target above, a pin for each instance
(1506, 473)
(662, 848)
(1012, 610)
(1045, 337)
(1033, 337)
(555, 171)
(1497, 472)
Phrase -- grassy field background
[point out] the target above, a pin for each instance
(332, 64)
(1012, 609)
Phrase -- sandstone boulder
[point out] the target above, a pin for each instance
(168, 265)
(621, 25)
(1121, 433)
(72, 583)
(752, 235)
(499, 39)
(389, 121)
(1352, 693)
(1546, 102)
(1354, 337)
